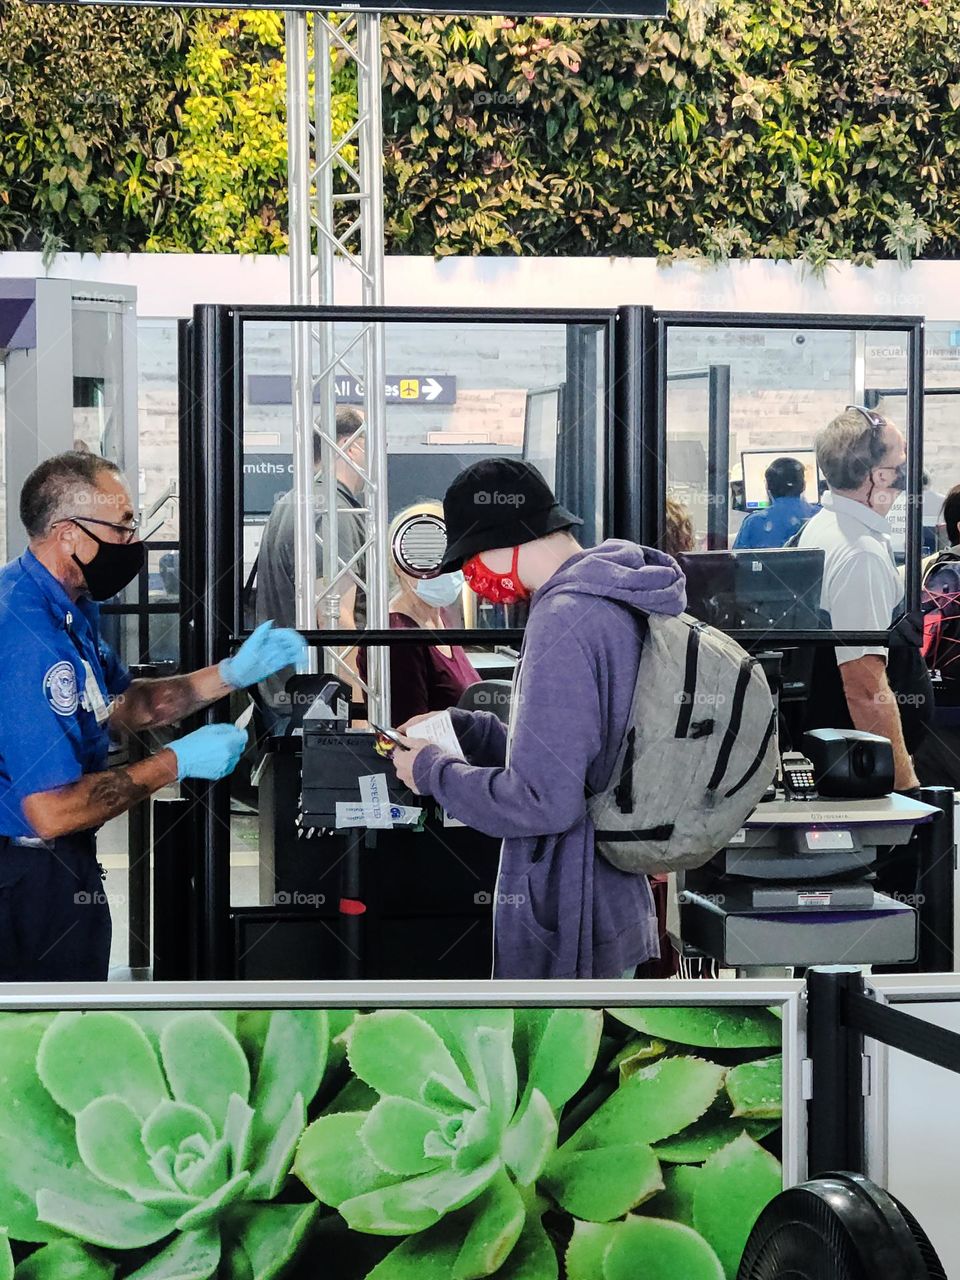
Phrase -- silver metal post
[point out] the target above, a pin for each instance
(334, 182)
(298, 154)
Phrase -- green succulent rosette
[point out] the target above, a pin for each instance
(161, 1137)
(463, 1123)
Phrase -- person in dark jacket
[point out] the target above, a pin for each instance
(561, 910)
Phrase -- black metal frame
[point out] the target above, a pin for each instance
(632, 498)
(211, 349)
(912, 326)
(839, 1015)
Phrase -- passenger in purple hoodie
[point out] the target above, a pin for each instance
(562, 911)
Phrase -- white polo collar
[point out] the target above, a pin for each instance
(842, 506)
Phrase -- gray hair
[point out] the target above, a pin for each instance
(58, 487)
(849, 448)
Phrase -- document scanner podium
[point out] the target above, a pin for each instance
(795, 887)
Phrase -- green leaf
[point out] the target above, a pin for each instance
(417, 1203)
(108, 1138)
(559, 1048)
(605, 1183)
(265, 1238)
(84, 1056)
(500, 1215)
(238, 1130)
(636, 1055)
(676, 1200)
(204, 1064)
(209, 1210)
(62, 1260)
(712, 1028)
(460, 1031)
(332, 1162)
(587, 1248)
(756, 1088)
(37, 1139)
(194, 1255)
(173, 1123)
(293, 1062)
(269, 1175)
(6, 1256)
(396, 1052)
(110, 1221)
(655, 1102)
(734, 1187)
(659, 1250)
(533, 1257)
(709, 1134)
(531, 1140)
(394, 1134)
(431, 1255)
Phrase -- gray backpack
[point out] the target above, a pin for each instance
(698, 753)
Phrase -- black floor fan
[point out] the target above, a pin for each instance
(838, 1227)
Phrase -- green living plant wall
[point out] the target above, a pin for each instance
(780, 130)
(397, 1144)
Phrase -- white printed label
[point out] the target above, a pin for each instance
(375, 800)
(814, 899)
(738, 837)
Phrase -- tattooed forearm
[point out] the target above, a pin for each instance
(150, 704)
(98, 797)
(115, 791)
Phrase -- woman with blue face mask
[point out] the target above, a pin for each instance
(424, 677)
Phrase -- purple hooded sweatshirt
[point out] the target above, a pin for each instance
(562, 910)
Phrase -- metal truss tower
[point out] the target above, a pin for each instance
(336, 213)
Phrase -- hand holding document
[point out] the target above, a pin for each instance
(438, 730)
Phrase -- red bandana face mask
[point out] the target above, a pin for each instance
(498, 588)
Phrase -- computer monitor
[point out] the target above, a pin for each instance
(775, 589)
(755, 463)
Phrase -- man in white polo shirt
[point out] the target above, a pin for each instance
(862, 457)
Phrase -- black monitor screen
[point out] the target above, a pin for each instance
(766, 590)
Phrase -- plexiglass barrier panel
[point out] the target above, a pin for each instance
(494, 1141)
(455, 393)
(745, 408)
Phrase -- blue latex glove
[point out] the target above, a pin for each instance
(269, 649)
(211, 752)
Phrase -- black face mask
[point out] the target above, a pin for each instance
(114, 566)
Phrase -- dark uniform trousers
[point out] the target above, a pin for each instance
(54, 916)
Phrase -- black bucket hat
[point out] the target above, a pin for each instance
(498, 502)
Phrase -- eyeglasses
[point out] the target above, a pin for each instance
(128, 530)
(874, 419)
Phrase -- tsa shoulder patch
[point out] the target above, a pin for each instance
(60, 688)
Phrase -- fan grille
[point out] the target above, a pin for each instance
(920, 1238)
(838, 1227)
(817, 1248)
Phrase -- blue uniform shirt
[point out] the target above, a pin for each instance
(49, 734)
(776, 525)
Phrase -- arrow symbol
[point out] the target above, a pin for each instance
(431, 388)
